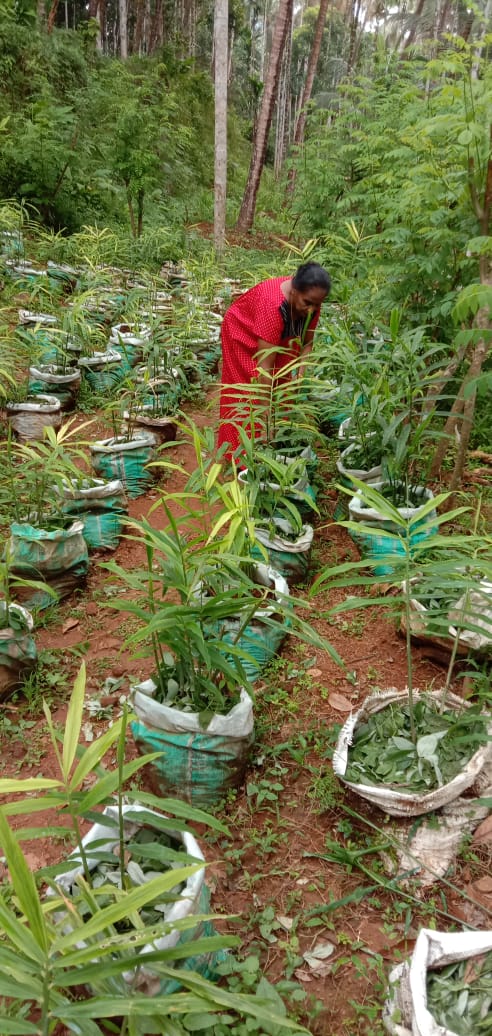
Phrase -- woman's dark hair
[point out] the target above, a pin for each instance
(311, 275)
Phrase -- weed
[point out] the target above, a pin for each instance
(325, 790)
(45, 680)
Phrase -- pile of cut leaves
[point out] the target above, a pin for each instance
(459, 996)
(383, 751)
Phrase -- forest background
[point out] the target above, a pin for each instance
(370, 125)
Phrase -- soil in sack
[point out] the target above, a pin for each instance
(58, 557)
(152, 847)
(200, 762)
(18, 654)
(126, 460)
(102, 507)
(163, 428)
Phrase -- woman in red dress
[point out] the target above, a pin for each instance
(261, 334)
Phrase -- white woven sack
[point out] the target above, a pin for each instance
(93, 489)
(27, 317)
(478, 610)
(371, 475)
(369, 516)
(99, 360)
(477, 605)
(265, 575)
(47, 373)
(297, 487)
(134, 335)
(275, 540)
(29, 419)
(143, 979)
(390, 799)
(235, 725)
(117, 445)
(408, 998)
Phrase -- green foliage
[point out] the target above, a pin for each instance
(405, 151)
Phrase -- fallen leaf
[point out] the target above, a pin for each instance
(303, 976)
(70, 624)
(483, 832)
(303, 881)
(484, 884)
(314, 672)
(340, 702)
(315, 958)
(286, 922)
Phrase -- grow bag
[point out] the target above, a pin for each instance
(162, 428)
(347, 475)
(197, 765)
(18, 654)
(24, 274)
(476, 610)
(389, 797)
(43, 319)
(130, 340)
(289, 557)
(193, 899)
(103, 370)
(126, 461)
(62, 278)
(102, 507)
(11, 242)
(29, 419)
(300, 493)
(46, 379)
(58, 557)
(406, 1012)
(259, 640)
(377, 544)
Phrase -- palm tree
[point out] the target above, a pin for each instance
(283, 20)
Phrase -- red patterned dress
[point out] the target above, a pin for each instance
(262, 312)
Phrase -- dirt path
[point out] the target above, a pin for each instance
(291, 808)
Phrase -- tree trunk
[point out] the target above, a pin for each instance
(283, 104)
(308, 86)
(52, 17)
(407, 40)
(156, 29)
(482, 208)
(123, 19)
(221, 41)
(260, 141)
(354, 21)
(140, 210)
(138, 31)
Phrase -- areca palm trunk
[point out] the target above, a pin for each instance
(283, 20)
(220, 76)
(308, 85)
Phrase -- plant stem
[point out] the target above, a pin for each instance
(408, 637)
(120, 758)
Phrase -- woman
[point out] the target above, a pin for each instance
(262, 332)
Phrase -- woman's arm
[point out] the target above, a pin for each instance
(265, 360)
